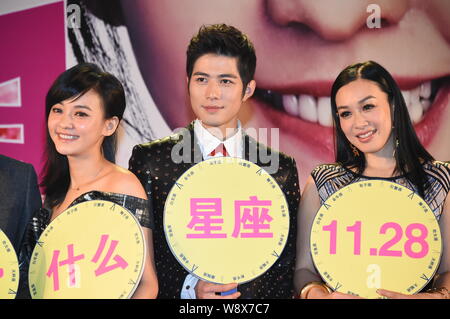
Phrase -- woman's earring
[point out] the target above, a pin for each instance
(395, 147)
(354, 150)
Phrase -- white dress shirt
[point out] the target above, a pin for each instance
(207, 143)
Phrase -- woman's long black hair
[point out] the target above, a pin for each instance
(409, 152)
(72, 84)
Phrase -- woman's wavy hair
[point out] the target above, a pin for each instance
(409, 153)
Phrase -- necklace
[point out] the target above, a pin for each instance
(85, 184)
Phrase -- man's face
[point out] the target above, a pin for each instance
(215, 91)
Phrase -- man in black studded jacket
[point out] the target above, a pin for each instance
(221, 62)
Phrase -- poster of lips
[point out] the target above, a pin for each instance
(300, 48)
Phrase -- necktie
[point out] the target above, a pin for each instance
(219, 149)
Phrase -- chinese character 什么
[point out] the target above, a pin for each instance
(53, 270)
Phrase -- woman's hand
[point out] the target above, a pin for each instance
(423, 295)
(320, 293)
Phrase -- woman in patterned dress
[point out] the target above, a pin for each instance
(374, 138)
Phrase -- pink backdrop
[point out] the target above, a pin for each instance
(33, 49)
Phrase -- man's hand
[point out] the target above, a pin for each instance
(207, 290)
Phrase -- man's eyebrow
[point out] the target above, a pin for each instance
(225, 75)
(228, 75)
(201, 73)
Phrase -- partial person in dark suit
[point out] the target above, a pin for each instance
(221, 63)
(19, 199)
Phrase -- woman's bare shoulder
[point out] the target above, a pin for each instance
(125, 182)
